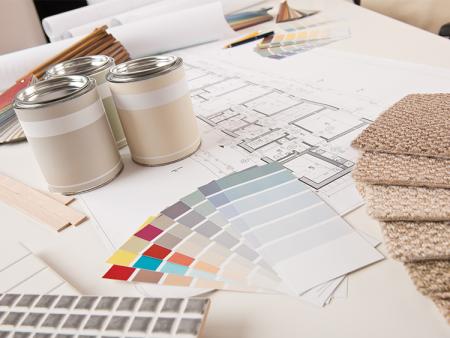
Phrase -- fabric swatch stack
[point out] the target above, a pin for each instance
(404, 175)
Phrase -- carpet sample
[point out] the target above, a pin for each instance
(418, 124)
(443, 304)
(407, 170)
(416, 241)
(430, 277)
(397, 203)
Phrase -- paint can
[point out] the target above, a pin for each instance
(153, 100)
(95, 67)
(65, 123)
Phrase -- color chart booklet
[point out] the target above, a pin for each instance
(259, 230)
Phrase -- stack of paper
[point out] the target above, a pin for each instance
(259, 229)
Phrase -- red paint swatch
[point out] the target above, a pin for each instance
(119, 272)
(181, 259)
(156, 251)
(148, 233)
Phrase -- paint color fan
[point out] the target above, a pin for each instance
(259, 229)
(286, 13)
(279, 46)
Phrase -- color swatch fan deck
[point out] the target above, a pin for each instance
(259, 230)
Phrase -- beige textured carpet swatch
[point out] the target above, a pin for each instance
(397, 203)
(430, 277)
(415, 241)
(442, 295)
(408, 170)
(443, 304)
(418, 124)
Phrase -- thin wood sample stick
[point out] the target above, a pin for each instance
(37, 205)
(102, 45)
(121, 56)
(88, 50)
(111, 48)
(122, 59)
(66, 200)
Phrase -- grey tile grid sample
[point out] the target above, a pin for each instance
(28, 315)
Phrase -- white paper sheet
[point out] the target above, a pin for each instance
(173, 31)
(141, 13)
(16, 64)
(321, 295)
(93, 2)
(23, 272)
(154, 10)
(55, 25)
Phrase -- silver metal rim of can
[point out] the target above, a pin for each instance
(54, 90)
(86, 65)
(143, 68)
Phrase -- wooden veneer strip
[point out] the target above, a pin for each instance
(48, 210)
(66, 200)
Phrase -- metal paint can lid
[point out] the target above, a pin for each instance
(143, 68)
(54, 90)
(86, 65)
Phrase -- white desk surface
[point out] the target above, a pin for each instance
(382, 300)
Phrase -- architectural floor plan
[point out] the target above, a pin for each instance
(260, 120)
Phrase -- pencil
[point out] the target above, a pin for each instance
(250, 39)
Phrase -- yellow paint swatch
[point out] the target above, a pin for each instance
(122, 257)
